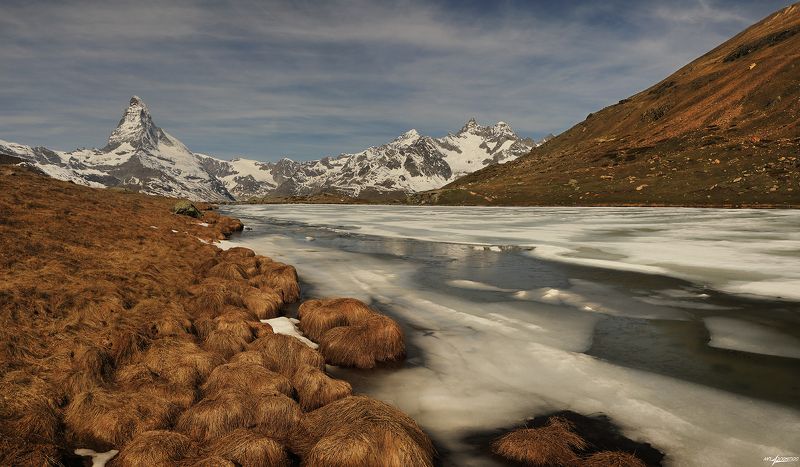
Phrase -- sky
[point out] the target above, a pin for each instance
(305, 79)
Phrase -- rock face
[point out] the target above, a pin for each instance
(723, 130)
(186, 208)
(140, 156)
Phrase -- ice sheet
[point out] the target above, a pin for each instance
(740, 251)
(483, 365)
(735, 334)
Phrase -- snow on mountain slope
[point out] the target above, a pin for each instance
(139, 156)
(245, 178)
(409, 163)
(143, 157)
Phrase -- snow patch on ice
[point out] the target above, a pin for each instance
(744, 336)
(99, 459)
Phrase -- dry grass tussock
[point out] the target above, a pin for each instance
(552, 444)
(247, 447)
(157, 447)
(121, 327)
(358, 430)
(315, 388)
(612, 459)
(350, 333)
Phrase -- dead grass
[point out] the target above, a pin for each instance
(282, 278)
(157, 447)
(287, 353)
(552, 444)
(101, 419)
(276, 416)
(612, 459)
(319, 316)
(247, 447)
(215, 416)
(179, 361)
(315, 388)
(115, 332)
(358, 430)
(377, 339)
(250, 377)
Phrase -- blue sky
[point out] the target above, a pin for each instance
(305, 79)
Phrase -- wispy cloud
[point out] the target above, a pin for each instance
(308, 78)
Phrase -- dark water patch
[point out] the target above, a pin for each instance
(597, 429)
(679, 349)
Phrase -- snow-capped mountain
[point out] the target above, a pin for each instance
(143, 157)
(139, 156)
(408, 164)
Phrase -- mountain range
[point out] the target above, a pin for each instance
(723, 130)
(140, 156)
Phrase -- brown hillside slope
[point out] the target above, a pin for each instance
(722, 130)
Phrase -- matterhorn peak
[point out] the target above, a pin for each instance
(136, 127)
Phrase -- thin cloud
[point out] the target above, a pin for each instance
(307, 79)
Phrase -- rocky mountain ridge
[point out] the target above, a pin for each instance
(143, 157)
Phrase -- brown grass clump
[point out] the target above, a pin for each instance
(157, 447)
(90, 367)
(246, 377)
(319, 316)
(249, 448)
(358, 430)
(225, 343)
(350, 333)
(237, 252)
(27, 409)
(259, 358)
(612, 459)
(180, 362)
(101, 419)
(228, 270)
(279, 277)
(211, 461)
(378, 339)
(288, 353)
(315, 388)
(552, 444)
(350, 307)
(137, 377)
(213, 417)
(276, 416)
(18, 452)
(265, 303)
(165, 319)
(237, 321)
(211, 295)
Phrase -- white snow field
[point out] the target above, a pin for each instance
(480, 365)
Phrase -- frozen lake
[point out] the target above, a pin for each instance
(683, 325)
